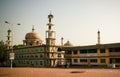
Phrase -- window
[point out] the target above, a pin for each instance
(68, 52)
(59, 55)
(83, 51)
(27, 50)
(102, 60)
(24, 56)
(32, 50)
(23, 61)
(102, 50)
(59, 49)
(117, 49)
(47, 54)
(32, 56)
(36, 56)
(24, 51)
(93, 60)
(69, 60)
(19, 62)
(27, 62)
(117, 60)
(41, 55)
(36, 63)
(75, 52)
(114, 49)
(41, 49)
(31, 62)
(16, 56)
(75, 60)
(19, 56)
(27, 56)
(36, 50)
(92, 51)
(41, 62)
(83, 60)
(52, 55)
(114, 60)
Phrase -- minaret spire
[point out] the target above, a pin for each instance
(33, 29)
(62, 41)
(50, 12)
(98, 37)
(50, 17)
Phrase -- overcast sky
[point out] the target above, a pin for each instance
(75, 20)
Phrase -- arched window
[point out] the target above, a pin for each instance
(59, 49)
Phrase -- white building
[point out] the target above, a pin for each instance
(37, 54)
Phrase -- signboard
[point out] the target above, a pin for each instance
(12, 55)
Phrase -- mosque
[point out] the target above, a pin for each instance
(36, 54)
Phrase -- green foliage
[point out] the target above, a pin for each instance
(3, 51)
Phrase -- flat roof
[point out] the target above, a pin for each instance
(111, 45)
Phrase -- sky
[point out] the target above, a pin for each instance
(75, 20)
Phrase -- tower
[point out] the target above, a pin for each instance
(62, 41)
(98, 37)
(9, 40)
(51, 49)
(50, 34)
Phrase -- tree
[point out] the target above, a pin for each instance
(3, 52)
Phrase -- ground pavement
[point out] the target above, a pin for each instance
(58, 72)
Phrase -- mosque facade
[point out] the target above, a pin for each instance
(36, 54)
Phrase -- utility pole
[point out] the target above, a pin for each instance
(11, 53)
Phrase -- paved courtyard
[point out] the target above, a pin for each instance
(58, 72)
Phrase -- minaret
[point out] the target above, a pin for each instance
(51, 60)
(9, 40)
(61, 41)
(33, 29)
(50, 34)
(98, 37)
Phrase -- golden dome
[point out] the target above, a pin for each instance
(32, 39)
(32, 35)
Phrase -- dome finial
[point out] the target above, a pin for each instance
(50, 12)
(98, 31)
(33, 29)
(98, 36)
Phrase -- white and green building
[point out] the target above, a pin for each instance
(35, 53)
